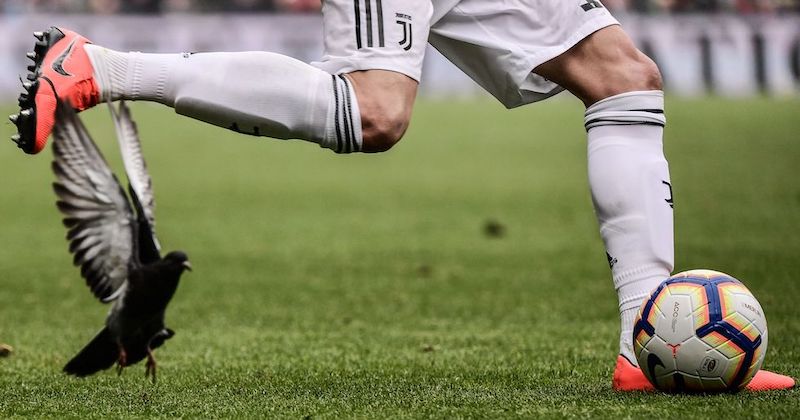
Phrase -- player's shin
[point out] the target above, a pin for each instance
(632, 196)
(257, 93)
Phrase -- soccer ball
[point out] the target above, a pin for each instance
(700, 331)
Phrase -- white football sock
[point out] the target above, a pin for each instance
(632, 196)
(257, 93)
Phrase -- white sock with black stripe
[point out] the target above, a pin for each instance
(346, 118)
(257, 93)
(632, 196)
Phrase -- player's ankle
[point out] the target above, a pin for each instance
(111, 72)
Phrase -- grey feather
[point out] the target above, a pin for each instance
(135, 167)
(96, 209)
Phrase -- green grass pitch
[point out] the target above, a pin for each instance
(364, 286)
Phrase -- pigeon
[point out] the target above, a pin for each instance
(113, 241)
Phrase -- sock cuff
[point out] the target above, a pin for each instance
(630, 108)
(624, 278)
(634, 285)
(346, 135)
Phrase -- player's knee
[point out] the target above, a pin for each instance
(644, 73)
(382, 127)
(385, 100)
(628, 72)
(602, 65)
(620, 64)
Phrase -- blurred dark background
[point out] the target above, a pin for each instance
(306, 6)
(156, 6)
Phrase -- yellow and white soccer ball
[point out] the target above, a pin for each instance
(700, 331)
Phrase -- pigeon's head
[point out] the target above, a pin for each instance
(178, 260)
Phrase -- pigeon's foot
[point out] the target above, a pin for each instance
(122, 361)
(150, 366)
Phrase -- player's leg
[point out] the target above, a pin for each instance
(358, 99)
(628, 173)
(628, 176)
(257, 93)
(266, 94)
(579, 46)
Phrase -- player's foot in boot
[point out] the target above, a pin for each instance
(628, 377)
(61, 71)
(769, 381)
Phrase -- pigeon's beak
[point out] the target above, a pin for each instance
(187, 265)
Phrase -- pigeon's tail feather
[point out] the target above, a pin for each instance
(100, 354)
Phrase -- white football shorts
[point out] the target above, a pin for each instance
(497, 43)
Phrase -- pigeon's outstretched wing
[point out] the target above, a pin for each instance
(140, 184)
(99, 218)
